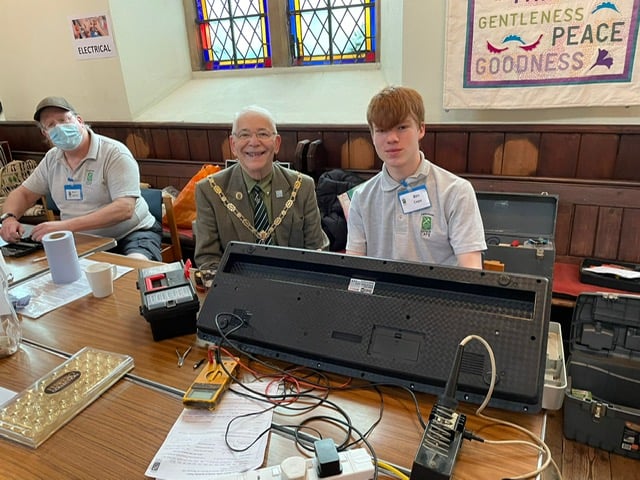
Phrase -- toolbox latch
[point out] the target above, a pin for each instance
(598, 411)
(539, 252)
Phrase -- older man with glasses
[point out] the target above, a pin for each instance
(256, 199)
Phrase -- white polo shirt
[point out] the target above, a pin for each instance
(378, 227)
(109, 171)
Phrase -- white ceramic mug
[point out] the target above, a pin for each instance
(100, 277)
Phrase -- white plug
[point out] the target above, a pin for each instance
(356, 465)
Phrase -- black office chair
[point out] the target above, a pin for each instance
(171, 248)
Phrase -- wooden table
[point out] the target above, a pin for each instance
(24, 268)
(115, 324)
(113, 438)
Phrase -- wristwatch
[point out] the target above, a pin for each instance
(4, 216)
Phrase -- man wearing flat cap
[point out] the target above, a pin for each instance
(94, 181)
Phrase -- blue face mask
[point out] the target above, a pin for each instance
(65, 136)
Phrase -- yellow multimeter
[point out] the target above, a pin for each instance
(208, 387)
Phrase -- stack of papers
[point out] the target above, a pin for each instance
(195, 448)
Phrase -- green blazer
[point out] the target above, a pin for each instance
(216, 226)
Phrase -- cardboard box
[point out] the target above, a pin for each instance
(602, 402)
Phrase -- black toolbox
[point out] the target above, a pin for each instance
(627, 278)
(168, 300)
(602, 400)
(520, 231)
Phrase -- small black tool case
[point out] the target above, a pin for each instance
(520, 230)
(610, 280)
(602, 400)
(168, 301)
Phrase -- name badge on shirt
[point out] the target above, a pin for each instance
(414, 199)
(73, 192)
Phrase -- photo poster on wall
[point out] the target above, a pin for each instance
(514, 54)
(92, 36)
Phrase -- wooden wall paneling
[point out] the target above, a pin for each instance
(143, 143)
(598, 154)
(564, 220)
(178, 168)
(608, 232)
(161, 144)
(484, 149)
(217, 141)
(126, 134)
(629, 249)
(627, 164)
(583, 230)
(336, 144)
(198, 145)
(428, 145)
(179, 144)
(521, 153)
(288, 146)
(116, 132)
(110, 132)
(23, 136)
(150, 179)
(362, 155)
(130, 139)
(558, 155)
(451, 150)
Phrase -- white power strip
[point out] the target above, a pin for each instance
(356, 465)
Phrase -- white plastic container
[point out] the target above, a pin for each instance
(555, 373)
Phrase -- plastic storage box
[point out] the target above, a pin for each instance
(555, 373)
(602, 402)
(168, 300)
(619, 282)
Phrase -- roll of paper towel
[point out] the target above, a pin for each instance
(62, 256)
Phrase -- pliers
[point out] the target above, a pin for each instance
(181, 357)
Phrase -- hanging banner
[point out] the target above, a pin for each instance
(507, 54)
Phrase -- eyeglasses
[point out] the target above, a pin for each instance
(262, 135)
(68, 118)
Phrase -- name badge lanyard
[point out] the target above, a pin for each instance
(413, 199)
(72, 190)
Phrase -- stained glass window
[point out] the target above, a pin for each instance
(234, 33)
(238, 34)
(333, 31)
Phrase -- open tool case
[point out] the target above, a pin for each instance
(602, 400)
(520, 230)
(606, 280)
(168, 301)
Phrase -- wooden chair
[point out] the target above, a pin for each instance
(171, 248)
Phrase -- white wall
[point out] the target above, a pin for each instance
(150, 80)
(153, 49)
(38, 59)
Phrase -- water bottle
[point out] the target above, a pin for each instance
(10, 328)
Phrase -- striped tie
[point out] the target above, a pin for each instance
(260, 217)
